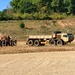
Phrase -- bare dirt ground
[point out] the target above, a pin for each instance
(44, 63)
(23, 48)
(66, 22)
(45, 60)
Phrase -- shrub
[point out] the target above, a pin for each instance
(27, 16)
(17, 16)
(22, 25)
(57, 16)
(36, 16)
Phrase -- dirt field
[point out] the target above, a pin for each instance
(23, 48)
(44, 63)
(43, 60)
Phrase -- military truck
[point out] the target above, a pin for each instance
(7, 41)
(57, 38)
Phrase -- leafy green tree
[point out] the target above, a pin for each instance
(71, 7)
(47, 3)
(3, 16)
(27, 7)
(55, 5)
(36, 9)
(23, 6)
(15, 5)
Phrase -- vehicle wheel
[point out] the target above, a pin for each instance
(36, 43)
(30, 43)
(3, 43)
(15, 42)
(59, 42)
(52, 42)
(11, 43)
(0, 43)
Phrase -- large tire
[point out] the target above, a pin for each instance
(11, 43)
(36, 43)
(52, 42)
(59, 42)
(30, 42)
(3, 42)
(0, 43)
(15, 42)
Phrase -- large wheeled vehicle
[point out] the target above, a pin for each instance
(57, 38)
(7, 41)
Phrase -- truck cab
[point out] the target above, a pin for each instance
(71, 37)
(62, 38)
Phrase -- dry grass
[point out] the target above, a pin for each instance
(34, 27)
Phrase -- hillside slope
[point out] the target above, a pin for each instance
(12, 28)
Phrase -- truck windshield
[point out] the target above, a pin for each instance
(70, 35)
(64, 35)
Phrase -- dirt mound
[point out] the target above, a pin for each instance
(66, 22)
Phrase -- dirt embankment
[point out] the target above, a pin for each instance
(66, 22)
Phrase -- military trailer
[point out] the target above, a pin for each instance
(57, 38)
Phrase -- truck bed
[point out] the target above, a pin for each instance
(40, 36)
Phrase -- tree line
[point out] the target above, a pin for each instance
(38, 9)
